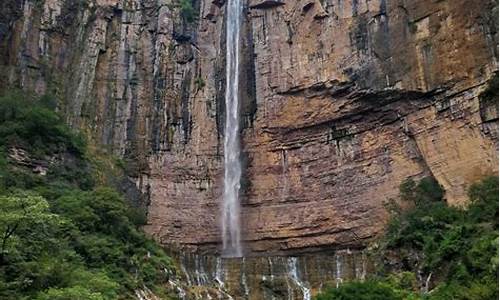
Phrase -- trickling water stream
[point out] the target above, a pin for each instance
(294, 275)
(232, 166)
(267, 278)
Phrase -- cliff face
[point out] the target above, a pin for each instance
(341, 101)
(279, 277)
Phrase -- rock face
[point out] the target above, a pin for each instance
(278, 277)
(341, 101)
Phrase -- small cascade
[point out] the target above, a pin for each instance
(140, 295)
(244, 282)
(294, 275)
(181, 293)
(271, 274)
(146, 294)
(219, 272)
(266, 278)
(184, 270)
(338, 268)
(201, 275)
(361, 267)
(220, 275)
(289, 289)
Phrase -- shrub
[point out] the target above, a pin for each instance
(426, 191)
(370, 290)
(484, 201)
(458, 246)
(490, 94)
(73, 293)
(187, 10)
(32, 126)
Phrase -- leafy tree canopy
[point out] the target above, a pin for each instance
(64, 234)
(454, 249)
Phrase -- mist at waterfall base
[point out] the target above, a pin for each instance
(231, 232)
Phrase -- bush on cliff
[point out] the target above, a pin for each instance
(30, 124)
(187, 10)
(65, 234)
(453, 250)
(370, 290)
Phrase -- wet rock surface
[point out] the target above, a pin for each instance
(272, 277)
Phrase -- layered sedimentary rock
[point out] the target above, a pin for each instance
(352, 98)
(341, 101)
(278, 277)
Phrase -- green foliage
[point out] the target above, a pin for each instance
(29, 124)
(71, 293)
(64, 236)
(447, 235)
(200, 83)
(19, 214)
(187, 10)
(426, 191)
(31, 131)
(432, 229)
(484, 197)
(86, 244)
(490, 94)
(474, 290)
(370, 290)
(456, 247)
(407, 190)
(402, 281)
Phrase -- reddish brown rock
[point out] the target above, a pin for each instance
(263, 4)
(341, 101)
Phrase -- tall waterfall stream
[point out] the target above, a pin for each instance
(232, 276)
(231, 232)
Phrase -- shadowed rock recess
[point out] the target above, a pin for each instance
(341, 100)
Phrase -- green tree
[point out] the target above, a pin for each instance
(70, 293)
(370, 290)
(18, 213)
(78, 241)
(31, 125)
(484, 198)
(426, 191)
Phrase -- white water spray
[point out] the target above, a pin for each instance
(231, 233)
(294, 275)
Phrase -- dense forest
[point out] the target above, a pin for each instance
(66, 233)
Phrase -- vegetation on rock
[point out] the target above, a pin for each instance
(490, 94)
(453, 252)
(64, 233)
(187, 10)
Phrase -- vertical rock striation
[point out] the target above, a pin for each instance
(355, 96)
(257, 278)
(340, 101)
(144, 83)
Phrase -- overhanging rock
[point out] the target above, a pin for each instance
(265, 4)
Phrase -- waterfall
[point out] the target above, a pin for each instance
(294, 275)
(232, 166)
(244, 282)
(338, 268)
(266, 278)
